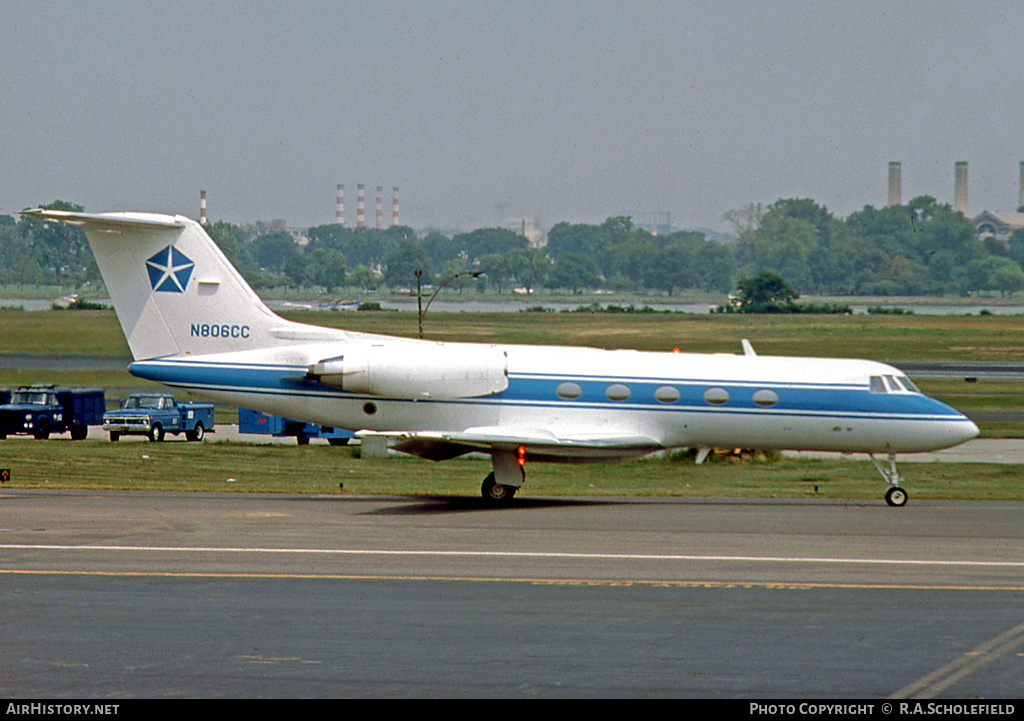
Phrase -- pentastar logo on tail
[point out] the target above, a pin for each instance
(169, 270)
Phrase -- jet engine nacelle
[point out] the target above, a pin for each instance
(416, 370)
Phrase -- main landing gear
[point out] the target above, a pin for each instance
(508, 476)
(895, 496)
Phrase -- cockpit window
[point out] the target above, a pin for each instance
(892, 384)
(908, 384)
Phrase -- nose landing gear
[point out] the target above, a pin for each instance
(895, 496)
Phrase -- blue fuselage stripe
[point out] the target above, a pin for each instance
(539, 390)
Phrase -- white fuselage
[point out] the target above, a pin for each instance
(674, 399)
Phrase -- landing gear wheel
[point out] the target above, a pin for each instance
(896, 496)
(495, 492)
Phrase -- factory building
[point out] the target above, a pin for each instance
(988, 224)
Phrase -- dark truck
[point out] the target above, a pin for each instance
(40, 410)
(155, 414)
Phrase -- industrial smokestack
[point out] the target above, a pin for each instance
(394, 208)
(202, 207)
(339, 208)
(380, 208)
(895, 184)
(960, 190)
(1020, 207)
(360, 206)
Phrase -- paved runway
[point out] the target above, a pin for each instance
(244, 595)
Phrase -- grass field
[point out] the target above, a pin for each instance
(60, 463)
(213, 466)
(906, 338)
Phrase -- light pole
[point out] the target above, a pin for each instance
(419, 301)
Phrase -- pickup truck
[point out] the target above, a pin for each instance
(250, 421)
(155, 414)
(40, 410)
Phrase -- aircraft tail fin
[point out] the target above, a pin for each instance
(174, 291)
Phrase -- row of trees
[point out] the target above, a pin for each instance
(921, 248)
(34, 252)
(614, 254)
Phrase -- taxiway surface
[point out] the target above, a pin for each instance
(239, 595)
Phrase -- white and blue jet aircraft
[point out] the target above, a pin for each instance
(192, 322)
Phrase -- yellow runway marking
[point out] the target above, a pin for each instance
(665, 583)
(524, 554)
(528, 555)
(939, 680)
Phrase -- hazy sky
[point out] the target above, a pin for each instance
(555, 109)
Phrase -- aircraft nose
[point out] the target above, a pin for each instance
(965, 430)
(954, 430)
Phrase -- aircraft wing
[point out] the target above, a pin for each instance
(539, 444)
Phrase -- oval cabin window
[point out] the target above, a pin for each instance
(569, 390)
(617, 392)
(716, 396)
(766, 398)
(667, 394)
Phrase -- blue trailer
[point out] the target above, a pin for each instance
(250, 421)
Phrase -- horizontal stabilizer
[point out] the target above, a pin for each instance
(109, 222)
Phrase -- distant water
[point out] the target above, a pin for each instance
(512, 306)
